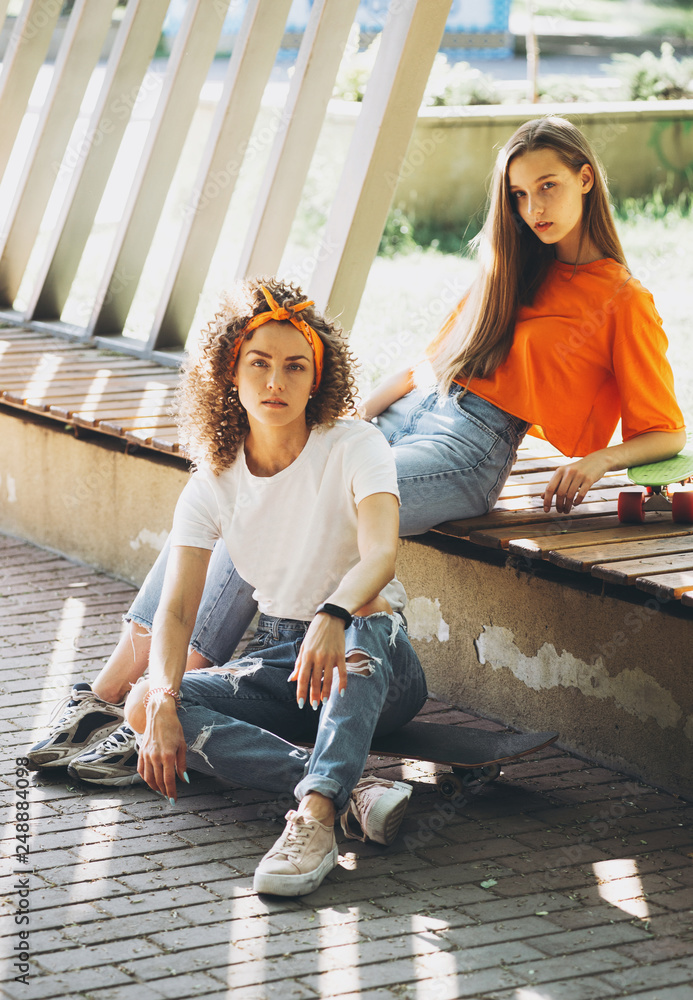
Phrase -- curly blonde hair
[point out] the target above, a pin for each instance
(211, 419)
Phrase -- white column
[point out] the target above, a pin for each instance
(188, 64)
(411, 37)
(78, 55)
(132, 53)
(254, 53)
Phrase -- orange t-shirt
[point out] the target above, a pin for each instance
(588, 351)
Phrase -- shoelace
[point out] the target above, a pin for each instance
(63, 711)
(295, 836)
(116, 739)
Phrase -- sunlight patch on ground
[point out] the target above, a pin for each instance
(348, 975)
(63, 656)
(620, 885)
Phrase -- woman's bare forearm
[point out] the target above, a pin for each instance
(645, 448)
(365, 580)
(168, 656)
(387, 393)
(571, 482)
(175, 617)
(378, 531)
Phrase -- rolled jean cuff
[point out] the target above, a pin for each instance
(328, 787)
(138, 620)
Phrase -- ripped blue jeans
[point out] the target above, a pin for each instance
(240, 725)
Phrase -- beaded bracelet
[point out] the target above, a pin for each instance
(162, 690)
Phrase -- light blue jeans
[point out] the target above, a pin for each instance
(453, 456)
(240, 725)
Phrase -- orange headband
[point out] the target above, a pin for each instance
(280, 315)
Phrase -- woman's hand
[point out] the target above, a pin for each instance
(163, 749)
(570, 483)
(321, 651)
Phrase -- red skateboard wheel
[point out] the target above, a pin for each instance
(630, 507)
(682, 506)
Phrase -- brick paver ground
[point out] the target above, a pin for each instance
(561, 881)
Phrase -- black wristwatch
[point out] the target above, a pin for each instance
(335, 611)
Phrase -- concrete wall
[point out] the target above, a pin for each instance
(444, 177)
(547, 651)
(85, 497)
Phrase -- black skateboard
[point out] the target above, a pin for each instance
(473, 754)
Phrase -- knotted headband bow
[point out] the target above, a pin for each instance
(280, 315)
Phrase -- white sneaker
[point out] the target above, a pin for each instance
(300, 859)
(82, 720)
(112, 761)
(378, 806)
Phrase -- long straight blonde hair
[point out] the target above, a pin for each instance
(512, 260)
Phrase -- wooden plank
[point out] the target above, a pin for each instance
(40, 404)
(18, 333)
(628, 571)
(482, 530)
(535, 501)
(516, 480)
(687, 599)
(538, 548)
(582, 559)
(540, 463)
(37, 346)
(93, 421)
(68, 378)
(136, 423)
(555, 527)
(90, 416)
(147, 436)
(65, 411)
(107, 383)
(668, 587)
(169, 443)
(64, 364)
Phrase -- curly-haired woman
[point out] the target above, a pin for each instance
(307, 505)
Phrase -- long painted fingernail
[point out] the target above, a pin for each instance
(172, 801)
(301, 702)
(185, 777)
(315, 705)
(341, 693)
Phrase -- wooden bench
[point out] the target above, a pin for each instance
(132, 399)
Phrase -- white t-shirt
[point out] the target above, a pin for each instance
(292, 536)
